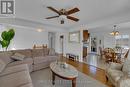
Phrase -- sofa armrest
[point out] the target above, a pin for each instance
(116, 66)
(124, 82)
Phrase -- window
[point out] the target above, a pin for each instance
(122, 41)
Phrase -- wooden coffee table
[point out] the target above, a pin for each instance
(69, 73)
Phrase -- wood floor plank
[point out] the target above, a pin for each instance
(92, 71)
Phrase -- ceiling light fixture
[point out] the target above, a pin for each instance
(39, 30)
(62, 18)
(114, 32)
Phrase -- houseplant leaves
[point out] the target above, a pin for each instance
(7, 36)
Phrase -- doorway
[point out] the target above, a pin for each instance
(93, 44)
(85, 43)
(51, 40)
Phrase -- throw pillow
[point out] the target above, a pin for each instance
(2, 65)
(51, 52)
(18, 57)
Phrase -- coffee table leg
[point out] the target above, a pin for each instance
(53, 78)
(74, 82)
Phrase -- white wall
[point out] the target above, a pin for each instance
(26, 37)
(74, 48)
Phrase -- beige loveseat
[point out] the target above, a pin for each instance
(16, 73)
(119, 74)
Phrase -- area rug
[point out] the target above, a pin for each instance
(43, 78)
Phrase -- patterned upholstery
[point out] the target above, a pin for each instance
(119, 74)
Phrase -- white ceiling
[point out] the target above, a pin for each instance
(90, 11)
(122, 27)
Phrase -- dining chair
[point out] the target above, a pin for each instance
(126, 54)
(109, 55)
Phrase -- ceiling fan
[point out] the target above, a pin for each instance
(64, 14)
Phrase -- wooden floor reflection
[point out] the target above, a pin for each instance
(94, 72)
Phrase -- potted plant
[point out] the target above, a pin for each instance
(6, 38)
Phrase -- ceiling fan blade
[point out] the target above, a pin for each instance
(52, 17)
(74, 10)
(53, 9)
(73, 18)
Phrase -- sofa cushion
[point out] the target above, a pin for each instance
(126, 67)
(115, 74)
(14, 69)
(41, 66)
(40, 59)
(2, 65)
(18, 57)
(5, 56)
(15, 79)
(52, 58)
(46, 51)
(37, 52)
(26, 52)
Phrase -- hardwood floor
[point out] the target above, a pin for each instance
(94, 72)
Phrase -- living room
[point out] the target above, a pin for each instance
(64, 43)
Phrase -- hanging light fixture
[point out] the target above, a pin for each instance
(62, 18)
(114, 32)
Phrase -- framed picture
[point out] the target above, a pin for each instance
(74, 37)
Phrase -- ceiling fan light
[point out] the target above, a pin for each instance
(63, 17)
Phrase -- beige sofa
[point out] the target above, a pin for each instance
(119, 74)
(42, 59)
(18, 71)
(16, 76)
